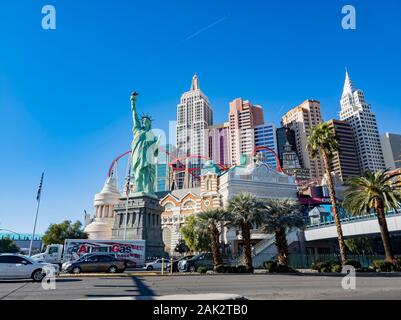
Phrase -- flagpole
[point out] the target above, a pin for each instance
(36, 216)
(127, 193)
(126, 218)
(34, 228)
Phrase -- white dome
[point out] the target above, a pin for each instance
(109, 194)
(100, 229)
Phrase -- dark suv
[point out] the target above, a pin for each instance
(200, 260)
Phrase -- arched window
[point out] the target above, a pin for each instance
(168, 206)
(189, 204)
(166, 234)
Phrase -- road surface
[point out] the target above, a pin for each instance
(253, 287)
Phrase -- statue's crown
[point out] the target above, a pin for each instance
(146, 116)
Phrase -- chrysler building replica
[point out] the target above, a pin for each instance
(359, 115)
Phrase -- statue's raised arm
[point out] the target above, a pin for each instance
(137, 122)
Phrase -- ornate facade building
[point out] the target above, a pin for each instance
(217, 187)
(178, 206)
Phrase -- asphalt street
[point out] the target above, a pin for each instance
(253, 287)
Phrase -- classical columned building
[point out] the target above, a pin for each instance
(101, 226)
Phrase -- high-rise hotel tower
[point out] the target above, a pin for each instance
(302, 119)
(194, 116)
(243, 118)
(356, 112)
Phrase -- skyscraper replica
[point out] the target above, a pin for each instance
(265, 136)
(391, 144)
(219, 148)
(302, 120)
(194, 116)
(344, 161)
(356, 112)
(243, 118)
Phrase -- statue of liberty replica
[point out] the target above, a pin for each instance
(144, 152)
(138, 213)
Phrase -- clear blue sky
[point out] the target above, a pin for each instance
(64, 94)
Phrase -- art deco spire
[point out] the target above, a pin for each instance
(348, 85)
(195, 83)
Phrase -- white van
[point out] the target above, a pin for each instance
(131, 251)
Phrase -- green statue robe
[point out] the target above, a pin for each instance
(144, 152)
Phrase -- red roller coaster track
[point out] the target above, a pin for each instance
(182, 167)
(261, 148)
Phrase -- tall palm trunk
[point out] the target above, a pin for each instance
(246, 238)
(333, 200)
(384, 232)
(282, 246)
(215, 245)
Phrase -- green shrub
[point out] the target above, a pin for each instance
(219, 268)
(384, 266)
(356, 264)
(324, 266)
(285, 269)
(271, 266)
(337, 268)
(202, 270)
(317, 265)
(398, 263)
(230, 269)
(365, 269)
(241, 269)
(326, 269)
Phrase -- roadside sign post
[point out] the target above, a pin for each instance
(162, 266)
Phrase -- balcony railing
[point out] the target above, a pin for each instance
(349, 219)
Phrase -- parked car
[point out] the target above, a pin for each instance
(157, 265)
(176, 262)
(200, 260)
(16, 266)
(95, 263)
(127, 262)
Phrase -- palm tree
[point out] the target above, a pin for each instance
(323, 141)
(378, 191)
(244, 210)
(279, 217)
(207, 221)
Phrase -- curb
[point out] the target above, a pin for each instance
(188, 274)
(107, 275)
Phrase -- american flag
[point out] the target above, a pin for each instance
(40, 187)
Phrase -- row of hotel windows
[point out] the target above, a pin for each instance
(175, 219)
